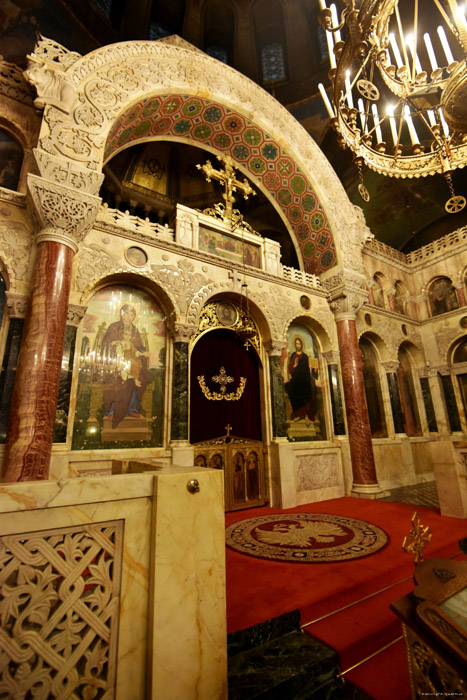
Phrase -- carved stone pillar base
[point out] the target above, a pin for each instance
(370, 491)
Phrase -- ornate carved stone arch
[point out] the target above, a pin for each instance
(99, 103)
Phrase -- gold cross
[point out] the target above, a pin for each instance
(231, 184)
(228, 427)
(223, 379)
(417, 539)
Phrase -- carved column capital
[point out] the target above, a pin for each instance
(275, 347)
(391, 366)
(75, 314)
(442, 370)
(345, 296)
(61, 213)
(182, 332)
(331, 357)
(17, 304)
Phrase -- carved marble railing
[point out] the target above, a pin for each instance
(290, 273)
(426, 252)
(127, 221)
(451, 240)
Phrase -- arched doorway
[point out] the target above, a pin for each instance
(225, 409)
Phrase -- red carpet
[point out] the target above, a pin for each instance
(258, 590)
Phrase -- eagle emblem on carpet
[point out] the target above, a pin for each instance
(306, 537)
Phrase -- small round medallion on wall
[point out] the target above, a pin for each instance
(305, 302)
(136, 256)
(226, 313)
(463, 322)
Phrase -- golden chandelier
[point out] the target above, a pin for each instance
(399, 91)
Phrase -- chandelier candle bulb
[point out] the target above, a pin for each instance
(348, 90)
(430, 51)
(326, 101)
(392, 123)
(445, 45)
(379, 135)
(322, 5)
(335, 21)
(361, 110)
(409, 39)
(412, 131)
(395, 50)
(431, 117)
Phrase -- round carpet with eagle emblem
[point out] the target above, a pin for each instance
(308, 538)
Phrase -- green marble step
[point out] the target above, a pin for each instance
(292, 666)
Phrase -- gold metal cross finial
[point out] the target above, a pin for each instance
(417, 539)
(228, 427)
(228, 179)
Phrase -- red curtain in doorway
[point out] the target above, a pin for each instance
(208, 418)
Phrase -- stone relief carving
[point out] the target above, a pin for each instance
(277, 308)
(75, 314)
(93, 263)
(45, 71)
(353, 240)
(17, 304)
(181, 332)
(446, 335)
(182, 281)
(62, 208)
(13, 84)
(316, 471)
(55, 54)
(63, 172)
(59, 611)
(16, 243)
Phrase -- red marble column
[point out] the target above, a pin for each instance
(32, 415)
(461, 296)
(361, 448)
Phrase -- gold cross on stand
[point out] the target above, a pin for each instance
(231, 184)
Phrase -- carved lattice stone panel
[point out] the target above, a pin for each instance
(59, 606)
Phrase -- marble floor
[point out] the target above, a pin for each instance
(424, 494)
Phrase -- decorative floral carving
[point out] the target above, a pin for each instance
(75, 314)
(59, 611)
(63, 208)
(13, 84)
(93, 262)
(64, 172)
(16, 243)
(182, 281)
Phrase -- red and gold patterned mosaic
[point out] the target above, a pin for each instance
(204, 122)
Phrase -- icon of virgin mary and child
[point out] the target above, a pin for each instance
(127, 357)
(301, 387)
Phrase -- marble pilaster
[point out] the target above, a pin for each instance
(428, 403)
(451, 403)
(179, 429)
(336, 400)
(279, 425)
(395, 397)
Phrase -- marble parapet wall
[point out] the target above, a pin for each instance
(114, 584)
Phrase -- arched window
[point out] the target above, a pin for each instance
(374, 398)
(219, 30)
(218, 52)
(11, 159)
(407, 394)
(442, 296)
(119, 400)
(303, 375)
(399, 297)
(378, 296)
(272, 62)
(323, 44)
